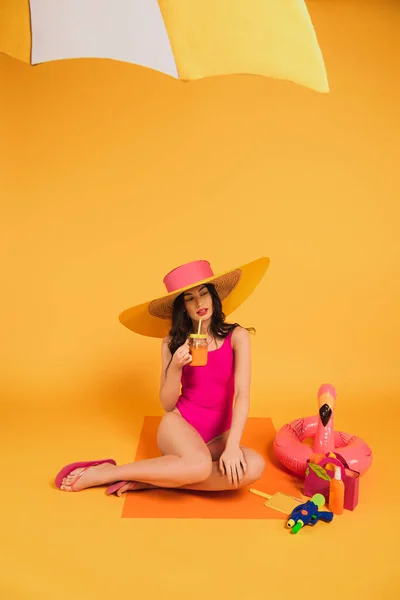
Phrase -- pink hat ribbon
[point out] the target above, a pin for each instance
(188, 274)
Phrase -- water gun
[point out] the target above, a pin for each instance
(308, 514)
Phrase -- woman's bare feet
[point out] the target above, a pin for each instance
(82, 478)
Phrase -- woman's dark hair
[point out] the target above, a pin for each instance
(182, 323)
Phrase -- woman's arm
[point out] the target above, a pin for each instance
(170, 384)
(242, 350)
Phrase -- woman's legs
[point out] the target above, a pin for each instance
(216, 481)
(187, 461)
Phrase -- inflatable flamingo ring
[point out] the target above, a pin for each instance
(292, 450)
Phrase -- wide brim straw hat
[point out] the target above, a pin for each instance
(153, 318)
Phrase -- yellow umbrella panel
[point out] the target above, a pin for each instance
(273, 38)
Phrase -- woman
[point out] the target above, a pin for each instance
(206, 408)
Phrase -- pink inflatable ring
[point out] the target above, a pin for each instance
(293, 453)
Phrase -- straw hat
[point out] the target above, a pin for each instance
(153, 318)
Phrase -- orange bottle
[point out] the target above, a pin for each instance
(336, 493)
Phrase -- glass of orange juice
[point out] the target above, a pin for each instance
(198, 349)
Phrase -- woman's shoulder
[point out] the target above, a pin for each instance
(166, 340)
(240, 335)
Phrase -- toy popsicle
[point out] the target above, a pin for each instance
(279, 501)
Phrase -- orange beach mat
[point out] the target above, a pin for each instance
(186, 504)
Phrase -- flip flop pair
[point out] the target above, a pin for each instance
(65, 471)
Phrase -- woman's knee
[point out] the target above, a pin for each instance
(255, 464)
(176, 437)
(198, 467)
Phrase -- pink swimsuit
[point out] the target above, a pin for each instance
(207, 393)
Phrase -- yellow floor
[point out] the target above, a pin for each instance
(105, 167)
(57, 544)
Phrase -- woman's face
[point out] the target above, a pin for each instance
(198, 303)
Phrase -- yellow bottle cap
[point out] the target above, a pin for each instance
(198, 336)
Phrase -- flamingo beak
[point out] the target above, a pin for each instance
(325, 413)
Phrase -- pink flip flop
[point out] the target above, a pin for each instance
(115, 487)
(65, 471)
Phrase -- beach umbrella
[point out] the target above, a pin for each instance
(185, 39)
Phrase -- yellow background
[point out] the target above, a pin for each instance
(15, 29)
(111, 175)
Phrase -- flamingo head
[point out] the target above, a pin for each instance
(326, 402)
